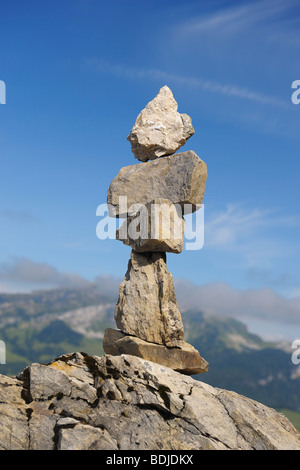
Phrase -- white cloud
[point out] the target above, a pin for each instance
(192, 82)
(223, 300)
(4, 288)
(26, 274)
(261, 16)
(262, 308)
(108, 284)
(257, 235)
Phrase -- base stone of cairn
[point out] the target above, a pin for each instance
(184, 358)
(147, 315)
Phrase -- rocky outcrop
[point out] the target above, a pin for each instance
(81, 402)
(159, 129)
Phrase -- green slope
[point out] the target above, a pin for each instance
(27, 345)
(293, 416)
(243, 362)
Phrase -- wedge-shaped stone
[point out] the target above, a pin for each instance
(181, 178)
(159, 129)
(147, 305)
(159, 226)
(184, 358)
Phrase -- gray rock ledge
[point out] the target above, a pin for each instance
(81, 402)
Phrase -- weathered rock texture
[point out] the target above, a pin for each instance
(180, 178)
(159, 226)
(147, 314)
(159, 129)
(147, 305)
(79, 402)
(184, 358)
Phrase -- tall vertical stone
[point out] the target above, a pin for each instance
(147, 306)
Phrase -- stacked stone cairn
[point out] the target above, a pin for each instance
(152, 197)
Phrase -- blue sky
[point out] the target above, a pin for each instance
(77, 74)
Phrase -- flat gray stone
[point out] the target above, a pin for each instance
(180, 178)
(159, 226)
(184, 358)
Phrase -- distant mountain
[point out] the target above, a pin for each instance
(43, 325)
(243, 362)
(17, 307)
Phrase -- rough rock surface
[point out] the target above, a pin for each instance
(81, 402)
(181, 178)
(159, 129)
(159, 226)
(147, 305)
(185, 359)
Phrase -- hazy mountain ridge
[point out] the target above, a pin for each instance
(23, 306)
(40, 326)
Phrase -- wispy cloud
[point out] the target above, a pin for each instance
(208, 85)
(263, 16)
(256, 235)
(223, 300)
(5, 288)
(248, 305)
(25, 273)
(268, 278)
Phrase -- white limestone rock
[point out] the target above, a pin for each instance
(147, 305)
(181, 178)
(140, 405)
(160, 129)
(159, 226)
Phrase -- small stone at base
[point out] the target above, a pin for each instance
(185, 359)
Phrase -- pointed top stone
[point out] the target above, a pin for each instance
(160, 129)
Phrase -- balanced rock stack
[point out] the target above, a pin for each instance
(152, 197)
